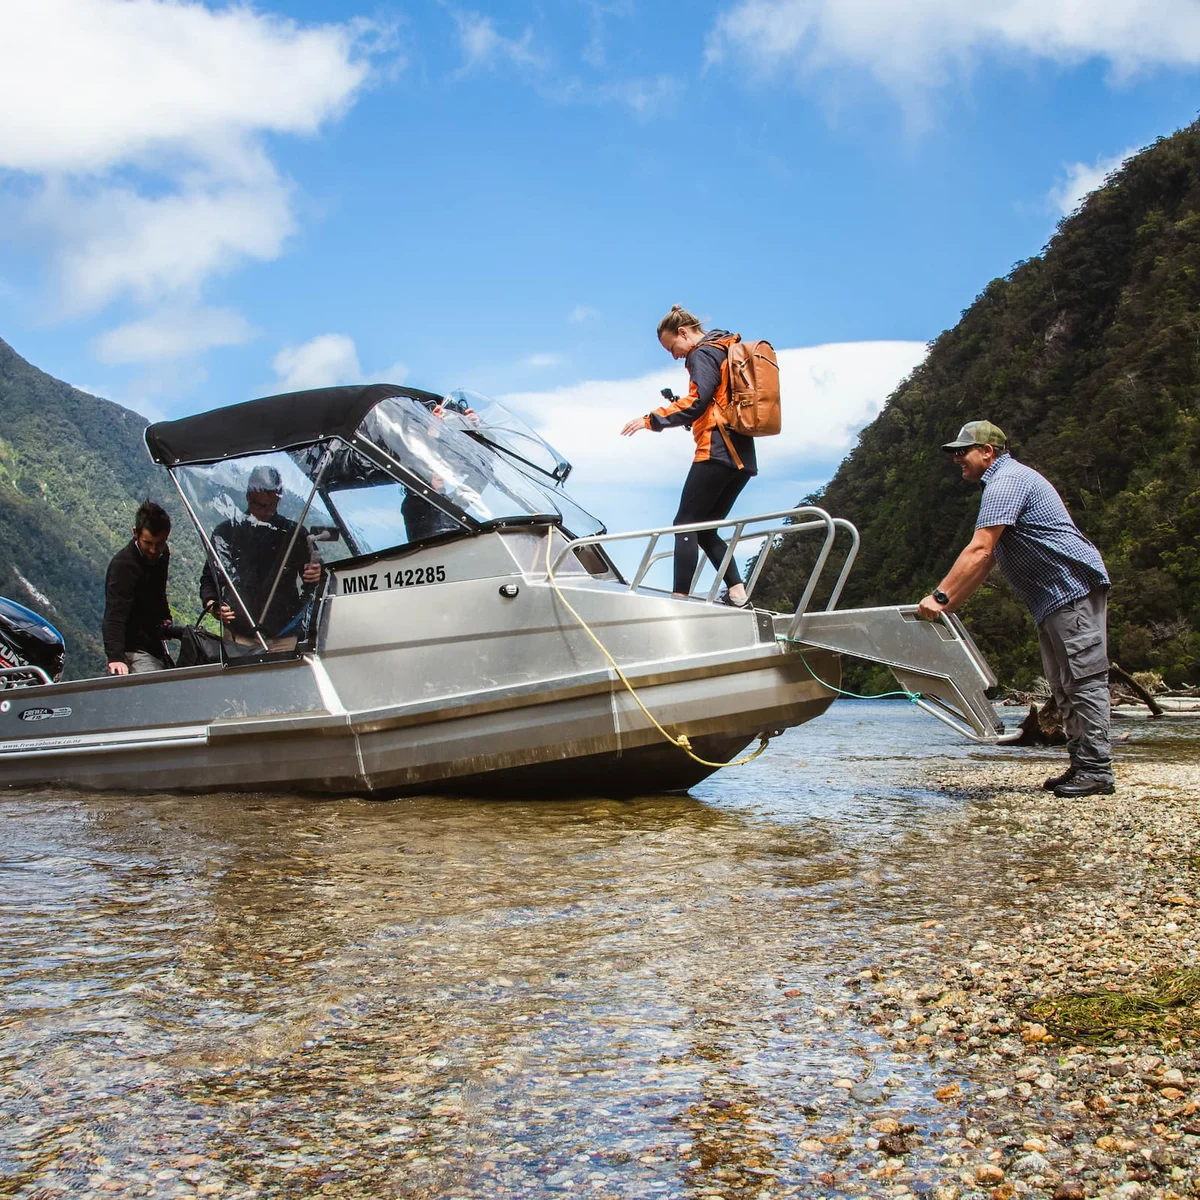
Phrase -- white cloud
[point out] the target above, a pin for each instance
(173, 333)
(128, 77)
(644, 97)
(326, 361)
(913, 46)
(1082, 178)
(396, 373)
(114, 241)
(323, 362)
(483, 45)
(600, 12)
(829, 393)
(139, 154)
(582, 312)
(542, 360)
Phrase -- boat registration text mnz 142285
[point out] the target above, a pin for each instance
(378, 581)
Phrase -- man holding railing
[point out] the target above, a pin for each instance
(1024, 526)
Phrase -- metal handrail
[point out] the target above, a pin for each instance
(773, 536)
(27, 675)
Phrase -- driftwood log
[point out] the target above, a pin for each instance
(1041, 727)
(1044, 727)
(1115, 672)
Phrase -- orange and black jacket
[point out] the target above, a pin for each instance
(708, 370)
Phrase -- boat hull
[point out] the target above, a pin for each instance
(585, 734)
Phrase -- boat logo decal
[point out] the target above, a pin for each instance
(381, 581)
(43, 714)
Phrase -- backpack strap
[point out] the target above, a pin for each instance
(725, 343)
(726, 438)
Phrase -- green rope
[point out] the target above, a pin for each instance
(911, 697)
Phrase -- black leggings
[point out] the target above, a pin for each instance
(708, 494)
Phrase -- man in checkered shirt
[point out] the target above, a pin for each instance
(1024, 526)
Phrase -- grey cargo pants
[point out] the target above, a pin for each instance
(1074, 645)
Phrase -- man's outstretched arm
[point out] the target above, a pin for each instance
(970, 569)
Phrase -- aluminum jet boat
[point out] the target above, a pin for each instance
(412, 602)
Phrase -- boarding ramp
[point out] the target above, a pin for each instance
(937, 662)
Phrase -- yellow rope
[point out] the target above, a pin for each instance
(682, 740)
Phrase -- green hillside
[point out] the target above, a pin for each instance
(1088, 356)
(73, 469)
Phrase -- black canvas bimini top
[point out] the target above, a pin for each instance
(272, 423)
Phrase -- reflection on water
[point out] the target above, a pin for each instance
(237, 996)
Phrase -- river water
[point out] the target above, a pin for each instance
(244, 996)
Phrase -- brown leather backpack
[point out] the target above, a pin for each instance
(753, 404)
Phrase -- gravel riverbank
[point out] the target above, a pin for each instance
(1040, 1111)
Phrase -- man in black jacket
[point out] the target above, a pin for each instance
(266, 557)
(136, 613)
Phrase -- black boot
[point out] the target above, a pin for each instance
(1085, 785)
(1056, 780)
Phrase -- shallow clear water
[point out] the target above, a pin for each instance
(263, 995)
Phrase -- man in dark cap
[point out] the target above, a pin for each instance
(1024, 526)
(253, 547)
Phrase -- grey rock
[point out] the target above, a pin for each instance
(1030, 1164)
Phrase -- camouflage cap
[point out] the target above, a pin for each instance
(978, 433)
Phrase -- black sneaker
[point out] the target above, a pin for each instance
(1085, 785)
(726, 599)
(1056, 780)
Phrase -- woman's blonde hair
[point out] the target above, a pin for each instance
(677, 319)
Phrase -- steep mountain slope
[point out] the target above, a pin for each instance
(1088, 356)
(73, 469)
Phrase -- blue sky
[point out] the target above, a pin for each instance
(199, 204)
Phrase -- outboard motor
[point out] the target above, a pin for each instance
(29, 646)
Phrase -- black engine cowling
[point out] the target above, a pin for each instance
(28, 640)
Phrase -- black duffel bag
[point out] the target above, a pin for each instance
(196, 646)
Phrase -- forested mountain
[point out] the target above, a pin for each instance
(1088, 357)
(73, 469)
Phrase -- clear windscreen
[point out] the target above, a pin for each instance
(482, 417)
(264, 525)
(373, 510)
(433, 444)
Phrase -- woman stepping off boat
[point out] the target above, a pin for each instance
(724, 460)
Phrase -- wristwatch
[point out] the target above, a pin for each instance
(940, 596)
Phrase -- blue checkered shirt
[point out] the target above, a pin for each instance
(1042, 554)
